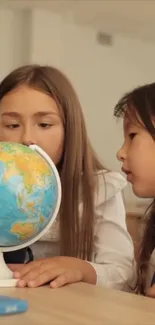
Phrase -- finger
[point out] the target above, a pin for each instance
(26, 268)
(21, 284)
(45, 277)
(35, 271)
(66, 278)
(15, 267)
(151, 292)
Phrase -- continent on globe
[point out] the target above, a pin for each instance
(23, 230)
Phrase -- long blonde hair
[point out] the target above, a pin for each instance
(79, 163)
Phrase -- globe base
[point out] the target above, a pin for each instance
(8, 283)
(6, 275)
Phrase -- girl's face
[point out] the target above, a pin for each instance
(138, 158)
(29, 116)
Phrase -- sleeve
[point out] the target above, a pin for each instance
(113, 247)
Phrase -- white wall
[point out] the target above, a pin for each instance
(15, 32)
(100, 74)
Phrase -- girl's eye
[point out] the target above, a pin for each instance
(12, 126)
(45, 125)
(132, 135)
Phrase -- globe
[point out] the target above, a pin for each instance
(30, 196)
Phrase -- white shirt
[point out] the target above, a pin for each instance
(113, 252)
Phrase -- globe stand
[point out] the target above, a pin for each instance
(6, 275)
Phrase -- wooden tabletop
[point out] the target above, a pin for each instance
(81, 304)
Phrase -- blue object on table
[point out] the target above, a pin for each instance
(10, 305)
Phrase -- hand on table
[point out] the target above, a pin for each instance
(57, 271)
(151, 292)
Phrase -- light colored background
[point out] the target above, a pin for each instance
(64, 34)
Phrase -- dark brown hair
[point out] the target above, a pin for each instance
(79, 162)
(139, 106)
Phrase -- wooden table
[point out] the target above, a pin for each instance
(81, 304)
